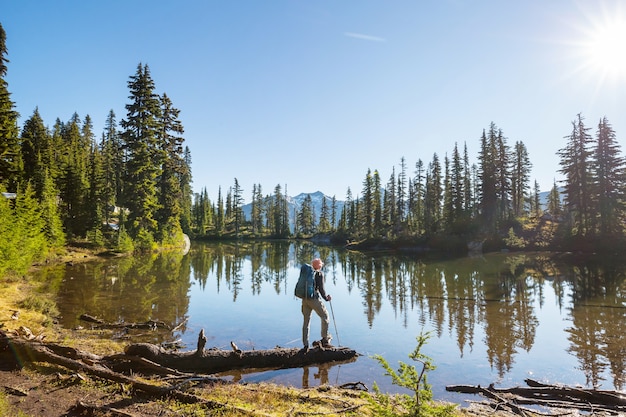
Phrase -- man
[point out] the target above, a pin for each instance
(315, 304)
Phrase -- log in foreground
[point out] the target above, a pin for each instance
(214, 360)
(546, 395)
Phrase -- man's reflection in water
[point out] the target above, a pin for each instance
(321, 375)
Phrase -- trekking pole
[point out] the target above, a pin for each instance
(334, 322)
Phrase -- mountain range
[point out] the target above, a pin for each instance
(295, 204)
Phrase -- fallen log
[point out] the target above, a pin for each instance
(555, 396)
(21, 351)
(217, 360)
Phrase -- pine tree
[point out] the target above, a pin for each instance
(377, 203)
(173, 168)
(112, 162)
(220, 216)
(575, 166)
(96, 202)
(306, 216)
(29, 226)
(520, 178)
(390, 206)
(35, 151)
(53, 227)
(401, 194)
(144, 155)
(73, 182)
(367, 205)
(468, 194)
(433, 197)
(536, 204)
(447, 212)
(323, 225)
(344, 225)
(279, 213)
(418, 198)
(457, 176)
(609, 168)
(237, 205)
(10, 159)
(9, 246)
(187, 192)
(256, 211)
(333, 214)
(554, 201)
(228, 209)
(487, 179)
(503, 177)
(201, 212)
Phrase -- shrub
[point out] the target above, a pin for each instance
(421, 404)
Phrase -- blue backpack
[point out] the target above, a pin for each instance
(305, 287)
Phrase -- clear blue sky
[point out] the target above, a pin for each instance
(310, 94)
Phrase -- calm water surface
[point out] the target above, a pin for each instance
(496, 318)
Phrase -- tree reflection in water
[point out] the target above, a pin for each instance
(489, 304)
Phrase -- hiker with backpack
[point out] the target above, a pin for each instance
(310, 288)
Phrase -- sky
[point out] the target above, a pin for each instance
(310, 94)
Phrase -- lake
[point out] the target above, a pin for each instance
(496, 318)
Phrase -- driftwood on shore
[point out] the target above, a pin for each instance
(546, 395)
(16, 351)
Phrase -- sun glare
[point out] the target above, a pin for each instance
(605, 48)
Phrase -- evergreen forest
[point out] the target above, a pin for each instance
(129, 188)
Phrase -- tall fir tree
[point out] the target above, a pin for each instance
(377, 203)
(401, 192)
(487, 171)
(144, 154)
(187, 193)
(96, 202)
(256, 211)
(575, 160)
(457, 176)
(390, 206)
(554, 201)
(10, 158)
(609, 168)
(503, 177)
(173, 169)
(35, 151)
(53, 227)
(220, 215)
(73, 183)
(367, 205)
(447, 210)
(306, 216)
(323, 225)
(468, 185)
(237, 207)
(112, 162)
(520, 178)
(433, 198)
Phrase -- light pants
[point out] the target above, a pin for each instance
(308, 306)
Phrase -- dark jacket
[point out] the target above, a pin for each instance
(319, 284)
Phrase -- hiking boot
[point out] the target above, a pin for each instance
(317, 343)
(326, 343)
